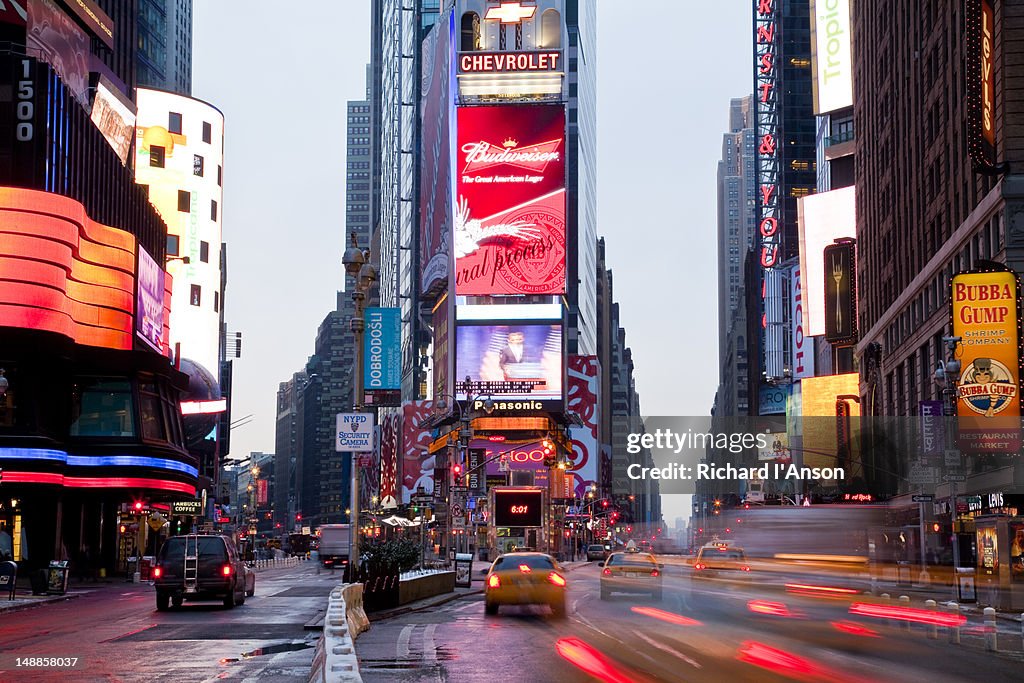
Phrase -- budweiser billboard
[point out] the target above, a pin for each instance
(509, 222)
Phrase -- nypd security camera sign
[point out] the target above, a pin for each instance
(355, 432)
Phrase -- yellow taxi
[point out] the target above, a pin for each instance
(721, 559)
(525, 579)
(631, 572)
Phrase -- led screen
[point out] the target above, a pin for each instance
(509, 214)
(518, 508)
(510, 361)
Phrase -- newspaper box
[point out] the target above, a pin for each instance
(463, 569)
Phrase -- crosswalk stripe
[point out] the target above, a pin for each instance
(403, 641)
(429, 646)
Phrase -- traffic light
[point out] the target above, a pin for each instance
(298, 517)
(123, 528)
(629, 529)
(138, 506)
(604, 503)
(457, 470)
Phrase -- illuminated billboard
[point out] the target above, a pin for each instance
(981, 66)
(802, 346)
(437, 117)
(583, 376)
(822, 218)
(509, 222)
(114, 115)
(841, 293)
(830, 54)
(518, 508)
(836, 397)
(510, 361)
(62, 272)
(149, 301)
(985, 310)
(179, 151)
(382, 356)
(58, 40)
(417, 465)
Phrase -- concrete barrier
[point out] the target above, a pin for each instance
(276, 563)
(334, 659)
(426, 586)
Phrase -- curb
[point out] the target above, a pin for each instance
(406, 609)
(39, 603)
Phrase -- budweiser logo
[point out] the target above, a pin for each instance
(481, 155)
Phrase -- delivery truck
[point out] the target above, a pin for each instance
(334, 545)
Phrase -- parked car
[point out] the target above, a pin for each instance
(596, 552)
(201, 567)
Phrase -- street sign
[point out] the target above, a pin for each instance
(921, 475)
(457, 510)
(952, 457)
(460, 489)
(354, 432)
(924, 498)
(955, 477)
(192, 508)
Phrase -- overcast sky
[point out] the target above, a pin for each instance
(282, 79)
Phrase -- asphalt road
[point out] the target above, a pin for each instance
(701, 631)
(118, 636)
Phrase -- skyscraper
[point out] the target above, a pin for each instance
(164, 56)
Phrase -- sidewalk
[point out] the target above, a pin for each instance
(23, 598)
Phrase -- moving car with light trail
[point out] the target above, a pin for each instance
(631, 572)
(525, 579)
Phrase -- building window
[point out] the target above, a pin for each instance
(213, 209)
(502, 37)
(172, 245)
(198, 165)
(216, 302)
(550, 29)
(102, 407)
(196, 296)
(184, 201)
(220, 174)
(204, 252)
(207, 132)
(151, 412)
(157, 156)
(470, 41)
(174, 122)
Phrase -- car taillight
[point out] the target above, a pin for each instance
(745, 568)
(654, 572)
(525, 568)
(158, 572)
(556, 579)
(493, 581)
(607, 572)
(226, 570)
(698, 566)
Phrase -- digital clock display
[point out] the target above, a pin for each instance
(518, 508)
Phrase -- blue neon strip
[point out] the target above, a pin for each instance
(96, 461)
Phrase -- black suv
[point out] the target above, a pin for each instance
(199, 567)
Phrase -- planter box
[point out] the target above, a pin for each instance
(425, 586)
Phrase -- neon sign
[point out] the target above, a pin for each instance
(765, 49)
(503, 62)
(511, 12)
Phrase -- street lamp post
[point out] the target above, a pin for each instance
(947, 373)
(357, 264)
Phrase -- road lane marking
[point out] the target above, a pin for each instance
(403, 641)
(130, 633)
(429, 646)
(664, 648)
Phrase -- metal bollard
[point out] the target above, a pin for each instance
(933, 630)
(990, 629)
(905, 602)
(954, 630)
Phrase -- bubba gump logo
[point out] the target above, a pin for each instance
(987, 387)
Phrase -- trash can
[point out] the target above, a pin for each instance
(57, 577)
(965, 587)
(463, 569)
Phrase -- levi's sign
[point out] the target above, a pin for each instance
(505, 62)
